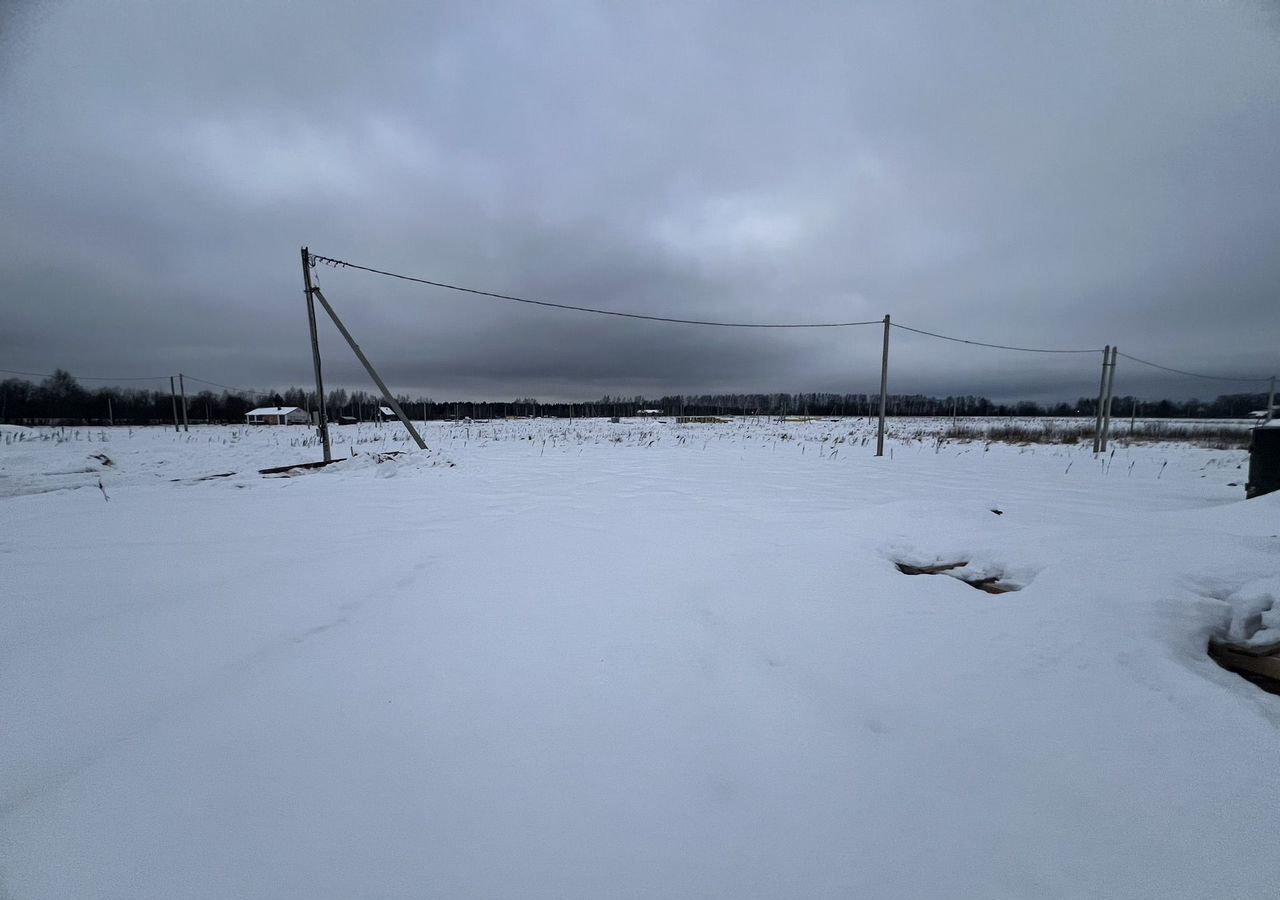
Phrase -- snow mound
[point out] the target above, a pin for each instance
(1254, 614)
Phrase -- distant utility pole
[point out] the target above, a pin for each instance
(182, 386)
(884, 388)
(111, 419)
(1271, 401)
(173, 399)
(323, 424)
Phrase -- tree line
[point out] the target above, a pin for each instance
(60, 399)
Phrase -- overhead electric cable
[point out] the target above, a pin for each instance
(947, 337)
(227, 387)
(1190, 374)
(88, 377)
(337, 263)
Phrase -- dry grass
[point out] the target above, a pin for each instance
(1213, 437)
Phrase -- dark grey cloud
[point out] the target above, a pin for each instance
(1029, 174)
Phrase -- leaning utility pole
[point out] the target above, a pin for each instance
(884, 388)
(1271, 401)
(323, 424)
(1106, 411)
(368, 367)
(1102, 390)
(173, 400)
(182, 386)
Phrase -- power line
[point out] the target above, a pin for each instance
(1190, 374)
(88, 377)
(1144, 362)
(138, 378)
(337, 263)
(947, 337)
(342, 264)
(227, 387)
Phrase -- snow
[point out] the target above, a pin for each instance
(1255, 614)
(628, 660)
(271, 410)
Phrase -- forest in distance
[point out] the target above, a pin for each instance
(61, 399)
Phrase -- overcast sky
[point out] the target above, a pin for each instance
(1056, 175)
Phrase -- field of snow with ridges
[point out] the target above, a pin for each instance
(591, 660)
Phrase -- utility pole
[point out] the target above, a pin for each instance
(884, 388)
(368, 367)
(173, 399)
(1271, 401)
(315, 353)
(111, 419)
(1102, 390)
(182, 385)
(1106, 411)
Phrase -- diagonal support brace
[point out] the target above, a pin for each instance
(368, 367)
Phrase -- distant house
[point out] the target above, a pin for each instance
(278, 415)
(648, 413)
(387, 412)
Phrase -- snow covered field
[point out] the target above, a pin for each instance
(546, 660)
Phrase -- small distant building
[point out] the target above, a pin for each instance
(386, 412)
(648, 413)
(278, 415)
